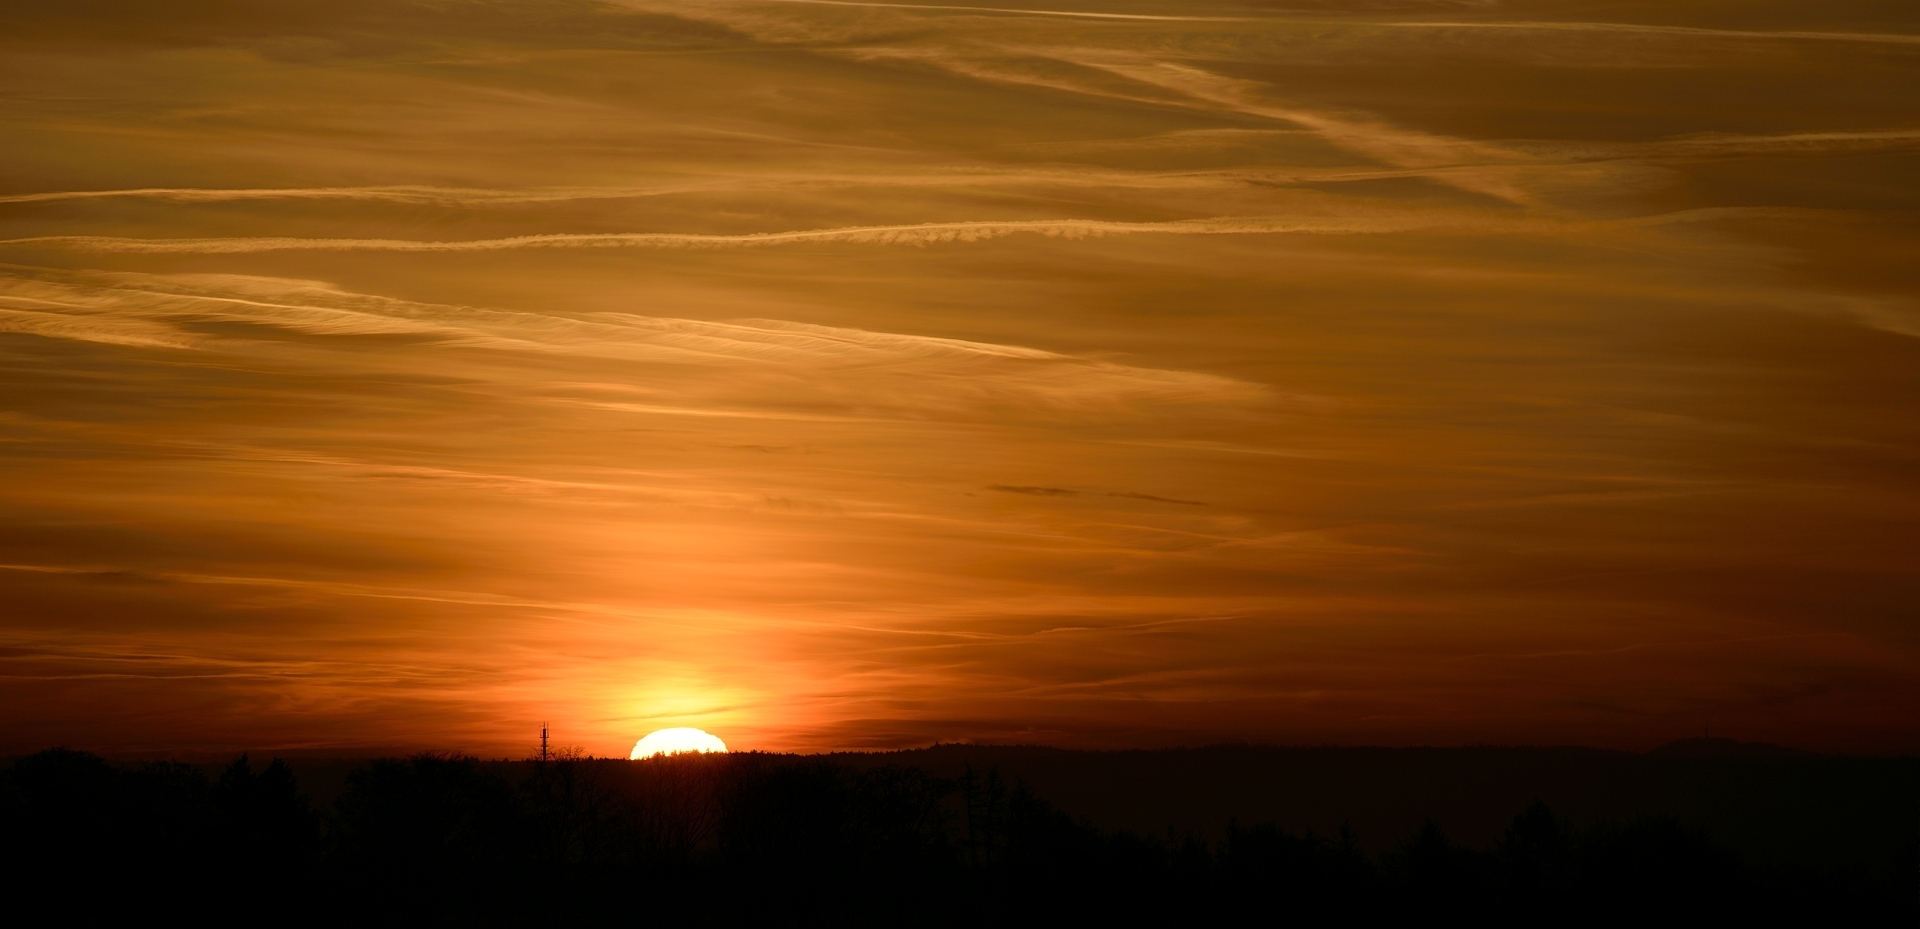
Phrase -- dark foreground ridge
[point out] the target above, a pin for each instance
(914, 838)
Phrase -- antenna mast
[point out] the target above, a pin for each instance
(543, 741)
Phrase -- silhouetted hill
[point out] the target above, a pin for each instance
(1822, 811)
(961, 835)
(1727, 748)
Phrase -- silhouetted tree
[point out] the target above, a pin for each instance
(269, 833)
(1429, 876)
(124, 839)
(818, 837)
(430, 833)
(753, 837)
(569, 812)
(1656, 865)
(1537, 855)
(1264, 868)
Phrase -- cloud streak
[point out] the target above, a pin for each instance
(879, 372)
(485, 197)
(1882, 38)
(1019, 11)
(903, 234)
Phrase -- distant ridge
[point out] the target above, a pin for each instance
(1727, 748)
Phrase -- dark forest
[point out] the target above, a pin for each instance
(921, 838)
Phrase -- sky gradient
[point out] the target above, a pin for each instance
(380, 374)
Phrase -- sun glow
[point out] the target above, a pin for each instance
(676, 741)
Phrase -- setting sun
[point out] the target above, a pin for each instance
(676, 741)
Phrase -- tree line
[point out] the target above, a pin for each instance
(727, 839)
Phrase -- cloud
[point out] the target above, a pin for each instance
(1140, 496)
(446, 371)
(412, 194)
(88, 328)
(1358, 219)
(1888, 38)
(1036, 491)
(480, 197)
(1175, 68)
(1584, 27)
(743, 367)
(902, 234)
(1017, 11)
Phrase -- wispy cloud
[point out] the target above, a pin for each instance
(929, 374)
(1357, 223)
(418, 374)
(1019, 11)
(904, 234)
(957, 178)
(1889, 38)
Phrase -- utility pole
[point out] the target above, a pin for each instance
(543, 741)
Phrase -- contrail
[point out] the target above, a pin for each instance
(1013, 11)
(483, 196)
(1894, 38)
(911, 234)
(1882, 37)
(399, 194)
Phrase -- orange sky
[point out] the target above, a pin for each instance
(838, 375)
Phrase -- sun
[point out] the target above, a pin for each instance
(675, 741)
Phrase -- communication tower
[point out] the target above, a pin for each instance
(543, 741)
